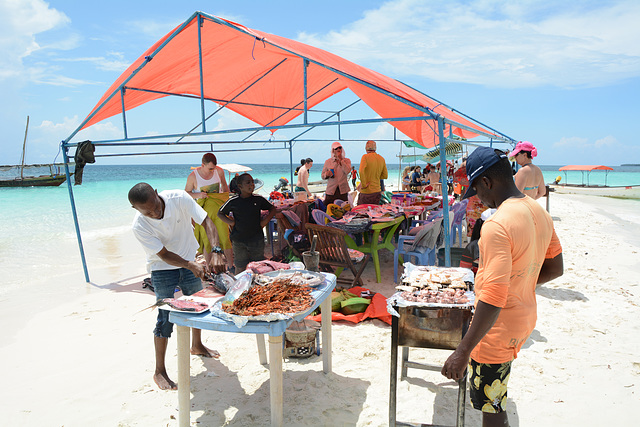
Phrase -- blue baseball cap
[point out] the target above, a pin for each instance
(478, 162)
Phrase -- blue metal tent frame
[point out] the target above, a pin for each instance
(333, 119)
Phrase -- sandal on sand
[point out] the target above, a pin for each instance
(146, 283)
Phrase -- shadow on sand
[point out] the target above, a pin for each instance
(561, 294)
(302, 390)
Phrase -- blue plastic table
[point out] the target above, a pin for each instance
(275, 330)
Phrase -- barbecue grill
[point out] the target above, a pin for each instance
(426, 327)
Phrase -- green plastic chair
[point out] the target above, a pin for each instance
(372, 243)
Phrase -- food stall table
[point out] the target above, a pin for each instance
(373, 245)
(275, 330)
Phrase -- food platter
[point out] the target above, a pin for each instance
(205, 304)
(301, 277)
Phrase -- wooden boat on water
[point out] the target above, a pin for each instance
(54, 178)
(622, 191)
(51, 180)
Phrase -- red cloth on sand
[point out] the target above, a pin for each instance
(376, 310)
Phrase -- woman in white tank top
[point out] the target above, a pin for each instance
(206, 175)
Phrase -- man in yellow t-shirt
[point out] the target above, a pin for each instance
(373, 169)
(519, 249)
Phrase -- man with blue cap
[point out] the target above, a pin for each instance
(519, 249)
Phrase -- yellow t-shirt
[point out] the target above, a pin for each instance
(514, 243)
(372, 169)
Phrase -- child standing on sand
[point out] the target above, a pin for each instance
(247, 238)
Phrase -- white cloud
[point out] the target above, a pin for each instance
(20, 22)
(152, 28)
(607, 141)
(114, 61)
(570, 142)
(495, 42)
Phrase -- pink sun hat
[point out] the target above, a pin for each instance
(524, 146)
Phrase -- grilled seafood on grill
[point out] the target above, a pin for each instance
(435, 285)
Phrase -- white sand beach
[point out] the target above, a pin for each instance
(78, 354)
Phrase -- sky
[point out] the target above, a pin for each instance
(564, 75)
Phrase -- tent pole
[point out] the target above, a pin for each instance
(200, 22)
(124, 116)
(73, 211)
(305, 64)
(337, 113)
(445, 195)
(400, 168)
(291, 165)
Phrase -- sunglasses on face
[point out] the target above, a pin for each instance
(337, 148)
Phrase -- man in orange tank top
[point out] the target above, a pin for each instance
(519, 249)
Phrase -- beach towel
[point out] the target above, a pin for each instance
(212, 205)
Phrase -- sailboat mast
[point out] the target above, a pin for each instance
(24, 148)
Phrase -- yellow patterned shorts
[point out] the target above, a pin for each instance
(488, 385)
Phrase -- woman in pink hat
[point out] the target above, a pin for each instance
(529, 179)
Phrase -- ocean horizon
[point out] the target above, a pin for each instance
(38, 221)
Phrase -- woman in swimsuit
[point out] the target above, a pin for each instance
(529, 179)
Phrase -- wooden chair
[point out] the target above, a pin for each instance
(335, 254)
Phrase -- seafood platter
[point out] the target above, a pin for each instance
(435, 287)
(433, 306)
(188, 304)
(272, 296)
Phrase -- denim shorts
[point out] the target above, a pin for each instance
(246, 252)
(164, 284)
(488, 385)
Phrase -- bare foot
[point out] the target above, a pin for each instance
(201, 350)
(164, 382)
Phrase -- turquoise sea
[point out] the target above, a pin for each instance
(37, 224)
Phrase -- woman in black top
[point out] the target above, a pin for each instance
(247, 238)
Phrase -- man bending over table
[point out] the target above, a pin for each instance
(519, 249)
(163, 227)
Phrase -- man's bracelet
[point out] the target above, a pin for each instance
(216, 250)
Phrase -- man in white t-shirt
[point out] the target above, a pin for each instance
(163, 227)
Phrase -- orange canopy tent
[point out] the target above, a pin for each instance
(585, 168)
(274, 82)
(270, 80)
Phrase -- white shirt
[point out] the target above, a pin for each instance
(174, 231)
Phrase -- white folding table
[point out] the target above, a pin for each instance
(275, 330)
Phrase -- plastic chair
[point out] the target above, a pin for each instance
(372, 244)
(321, 218)
(428, 257)
(459, 214)
(272, 228)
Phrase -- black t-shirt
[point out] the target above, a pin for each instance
(246, 212)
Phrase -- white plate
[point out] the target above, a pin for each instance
(309, 278)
